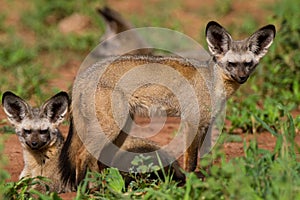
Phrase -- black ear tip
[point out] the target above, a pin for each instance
(7, 94)
(270, 27)
(211, 24)
(62, 94)
(273, 28)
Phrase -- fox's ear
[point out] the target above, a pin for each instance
(56, 107)
(218, 39)
(261, 40)
(14, 107)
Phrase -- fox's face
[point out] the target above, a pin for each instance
(36, 127)
(238, 59)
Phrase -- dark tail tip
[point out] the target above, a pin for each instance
(109, 14)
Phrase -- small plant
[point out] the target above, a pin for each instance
(24, 189)
(140, 172)
(107, 184)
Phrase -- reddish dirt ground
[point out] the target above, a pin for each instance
(186, 16)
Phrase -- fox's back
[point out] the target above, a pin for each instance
(154, 82)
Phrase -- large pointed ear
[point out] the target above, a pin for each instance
(261, 40)
(14, 107)
(218, 39)
(56, 107)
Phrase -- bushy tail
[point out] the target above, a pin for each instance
(114, 21)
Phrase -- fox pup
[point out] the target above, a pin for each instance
(37, 130)
(100, 99)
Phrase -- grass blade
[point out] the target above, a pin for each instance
(266, 126)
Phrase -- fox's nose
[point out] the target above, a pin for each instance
(34, 144)
(243, 79)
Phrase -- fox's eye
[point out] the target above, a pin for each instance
(27, 131)
(45, 131)
(232, 64)
(248, 64)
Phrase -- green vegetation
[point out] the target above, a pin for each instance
(33, 50)
(24, 189)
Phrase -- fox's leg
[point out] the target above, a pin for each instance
(207, 140)
(191, 154)
(207, 144)
(25, 173)
(110, 150)
(119, 141)
(82, 160)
